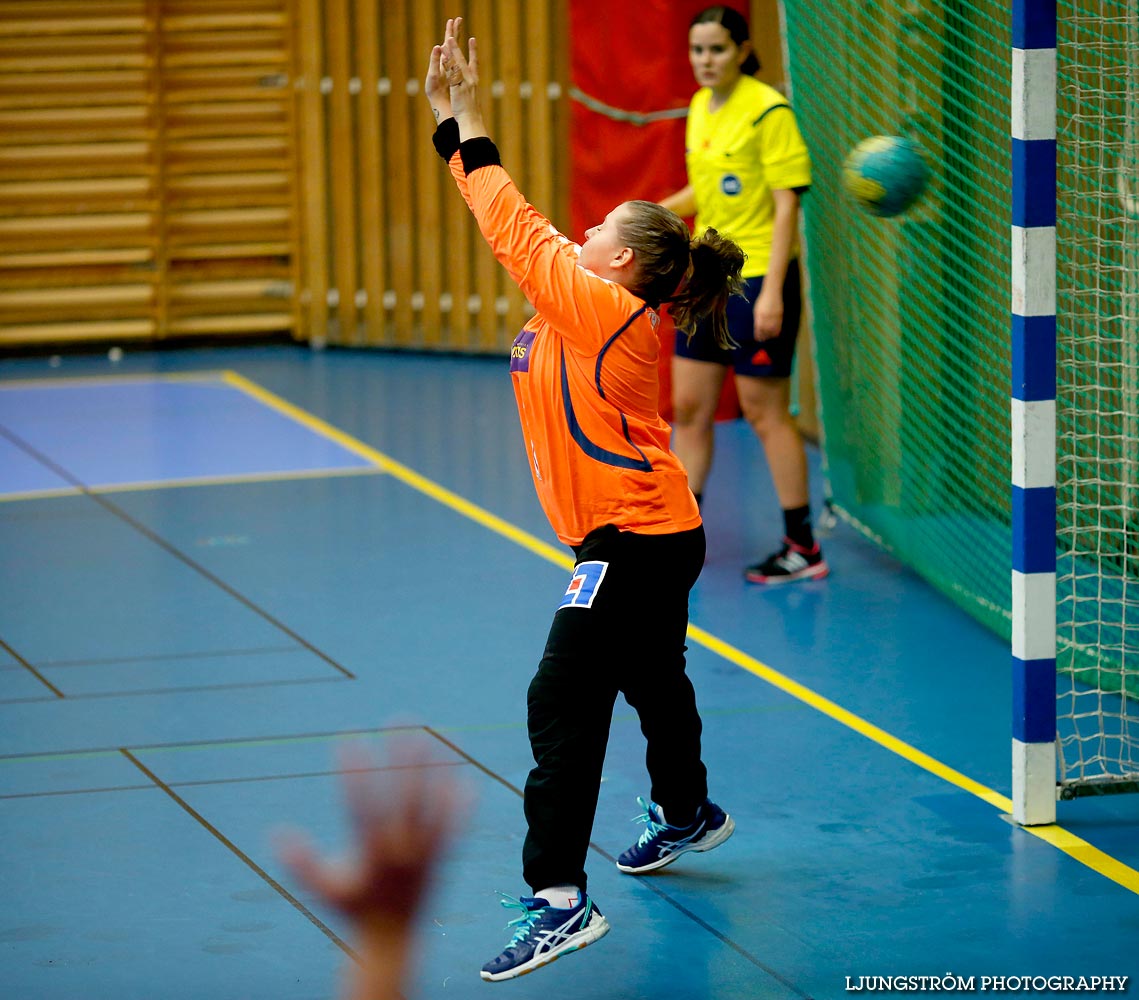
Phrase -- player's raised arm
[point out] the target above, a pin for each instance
(540, 260)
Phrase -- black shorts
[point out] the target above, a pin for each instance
(763, 359)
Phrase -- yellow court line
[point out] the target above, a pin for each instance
(1075, 847)
(848, 719)
(1087, 854)
(1057, 836)
(402, 472)
(1063, 840)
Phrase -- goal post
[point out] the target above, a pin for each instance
(1033, 410)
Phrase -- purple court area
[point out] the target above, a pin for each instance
(109, 433)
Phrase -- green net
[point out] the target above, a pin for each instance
(910, 314)
(911, 319)
(1098, 390)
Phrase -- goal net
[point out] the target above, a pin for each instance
(911, 319)
(1098, 395)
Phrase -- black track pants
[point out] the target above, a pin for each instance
(621, 628)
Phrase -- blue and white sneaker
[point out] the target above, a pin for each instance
(544, 933)
(661, 844)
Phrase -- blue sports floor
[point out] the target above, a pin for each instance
(218, 565)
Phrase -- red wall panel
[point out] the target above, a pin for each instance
(633, 57)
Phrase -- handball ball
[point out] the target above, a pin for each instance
(885, 174)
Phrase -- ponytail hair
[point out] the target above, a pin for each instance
(713, 279)
(696, 276)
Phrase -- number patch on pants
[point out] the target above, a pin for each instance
(584, 585)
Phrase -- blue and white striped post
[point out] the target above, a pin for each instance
(1034, 411)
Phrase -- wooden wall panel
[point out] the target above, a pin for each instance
(147, 182)
(537, 75)
(396, 75)
(77, 171)
(174, 168)
(425, 277)
(429, 176)
(342, 164)
(311, 168)
(488, 274)
(226, 142)
(508, 83)
(369, 152)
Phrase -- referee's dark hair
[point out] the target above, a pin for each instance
(736, 25)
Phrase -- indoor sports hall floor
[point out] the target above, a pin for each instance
(217, 566)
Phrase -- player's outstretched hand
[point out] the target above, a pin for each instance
(462, 74)
(435, 86)
(401, 821)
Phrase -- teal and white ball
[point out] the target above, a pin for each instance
(885, 174)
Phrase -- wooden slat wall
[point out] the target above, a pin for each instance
(489, 280)
(226, 146)
(173, 168)
(404, 264)
(78, 194)
(373, 246)
(147, 173)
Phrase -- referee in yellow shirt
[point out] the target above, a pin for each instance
(747, 168)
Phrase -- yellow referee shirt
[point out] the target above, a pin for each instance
(736, 156)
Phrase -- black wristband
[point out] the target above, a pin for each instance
(446, 138)
(479, 152)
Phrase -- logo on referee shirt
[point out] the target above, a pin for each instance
(731, 185)
(584, 584)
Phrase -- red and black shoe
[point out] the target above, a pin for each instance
(789, 565)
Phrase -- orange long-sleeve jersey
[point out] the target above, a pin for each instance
(584, 370)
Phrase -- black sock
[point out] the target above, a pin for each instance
(797, 526)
